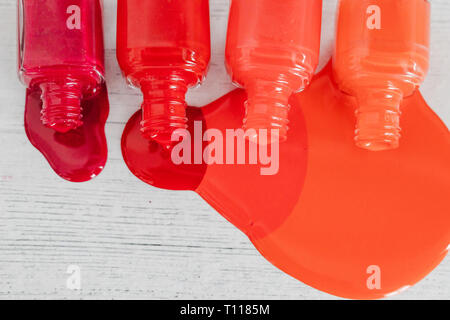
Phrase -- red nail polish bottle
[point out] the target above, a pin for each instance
(163, 48)
(272, 51)
(61, 52)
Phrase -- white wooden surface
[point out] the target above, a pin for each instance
(134, 241)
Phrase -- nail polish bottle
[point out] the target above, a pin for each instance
(381, 57)
(163, 48)
(61, 53)
(272, 52)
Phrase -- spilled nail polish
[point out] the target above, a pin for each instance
(344, 221)
(79, 154)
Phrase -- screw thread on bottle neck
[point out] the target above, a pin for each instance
(378, 119)
(163, 109)
(267, 108)
(61, 105)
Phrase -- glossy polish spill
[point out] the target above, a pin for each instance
(272, 51)
(382, 53)
(61, 61)
(79, 154)
(151, 162)
(163, 48)
(318, 219)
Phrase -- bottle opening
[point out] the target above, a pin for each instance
(378, 120)
(61, 105)
(163, 109)
(267, 108)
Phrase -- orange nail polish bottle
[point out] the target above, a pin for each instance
(272, 51)
(381, 57)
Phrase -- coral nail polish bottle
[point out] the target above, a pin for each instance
(272, 51)
(61, 53)
(381, 57)
(163, 48)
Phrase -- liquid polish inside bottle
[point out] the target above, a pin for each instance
(381, 57)
(163, 48)
(61, 54)
(272, 52)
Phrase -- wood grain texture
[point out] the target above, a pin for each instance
(133, 241)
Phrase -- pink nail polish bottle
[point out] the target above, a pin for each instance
(61, 53)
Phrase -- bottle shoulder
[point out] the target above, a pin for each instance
(91, 75)
(139, 64)
(404, 67)
(290, 65)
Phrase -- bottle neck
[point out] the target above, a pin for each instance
(267, 108)
(61, 104)
(163, 109)
(378, 119)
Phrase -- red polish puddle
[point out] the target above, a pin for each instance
(334, 211)
(151, 162)
(78, 155)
